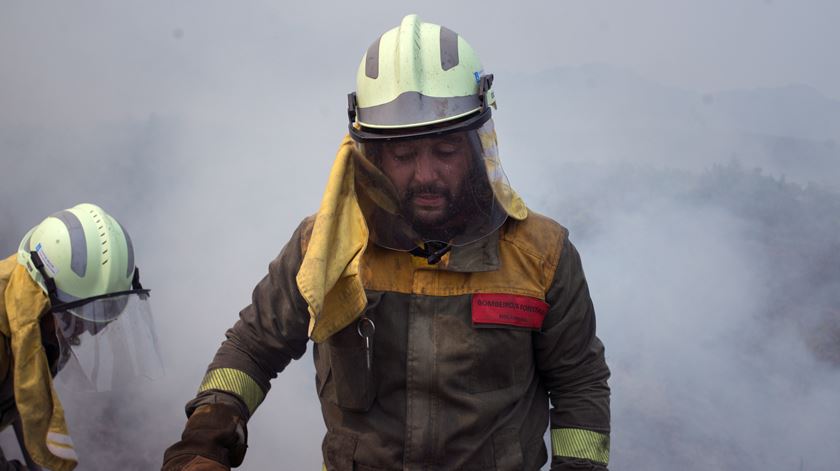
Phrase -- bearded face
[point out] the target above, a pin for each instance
(429, 176)
(429, 188)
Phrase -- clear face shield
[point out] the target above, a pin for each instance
(107, 343)
(432, 190)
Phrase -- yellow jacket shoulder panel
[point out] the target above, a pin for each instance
(538, 237)
(529, 251)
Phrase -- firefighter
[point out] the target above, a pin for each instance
(452, 326)
(70, 301)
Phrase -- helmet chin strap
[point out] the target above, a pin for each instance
(52, 291)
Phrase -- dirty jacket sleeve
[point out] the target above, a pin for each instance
(271, 331)
(570, 361)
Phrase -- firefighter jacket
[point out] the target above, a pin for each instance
(28, 355)
(460, 365)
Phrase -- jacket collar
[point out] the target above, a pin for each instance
(479, 256)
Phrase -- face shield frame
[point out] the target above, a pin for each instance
(57, 304)
(362, 134)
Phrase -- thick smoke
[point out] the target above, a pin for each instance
(712, 258)
(707, 221)
(721, 329)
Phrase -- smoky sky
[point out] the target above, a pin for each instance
(690, 148)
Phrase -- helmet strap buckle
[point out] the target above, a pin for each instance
(52, 291)
(351, 107)
(485, 95)
(135, 280)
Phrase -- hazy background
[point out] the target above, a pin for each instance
(692, 148)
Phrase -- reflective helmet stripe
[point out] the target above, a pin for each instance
(372, 60)
(448, 48)
(78, 241)
(413, 108)
(129, 269)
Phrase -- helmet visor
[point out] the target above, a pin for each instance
(108, 343)
(435, 188)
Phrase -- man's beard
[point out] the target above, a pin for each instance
(442, 227)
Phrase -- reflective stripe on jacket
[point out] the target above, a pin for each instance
(469, 361)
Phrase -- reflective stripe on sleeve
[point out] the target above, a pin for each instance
(236, 382)
(579, 443)
(61, 446)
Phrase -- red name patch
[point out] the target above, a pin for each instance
(508, 309)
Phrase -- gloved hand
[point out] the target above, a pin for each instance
(215, 439)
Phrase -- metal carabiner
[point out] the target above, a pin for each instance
(363, 333)
(364, 320)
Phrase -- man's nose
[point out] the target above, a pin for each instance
(425, 168)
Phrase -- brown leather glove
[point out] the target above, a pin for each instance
(215, 439)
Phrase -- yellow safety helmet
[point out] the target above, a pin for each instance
(78, 254)
(417, 79)
(421, 86)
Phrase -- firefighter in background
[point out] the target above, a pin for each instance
(452, 326)
(71, 302)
